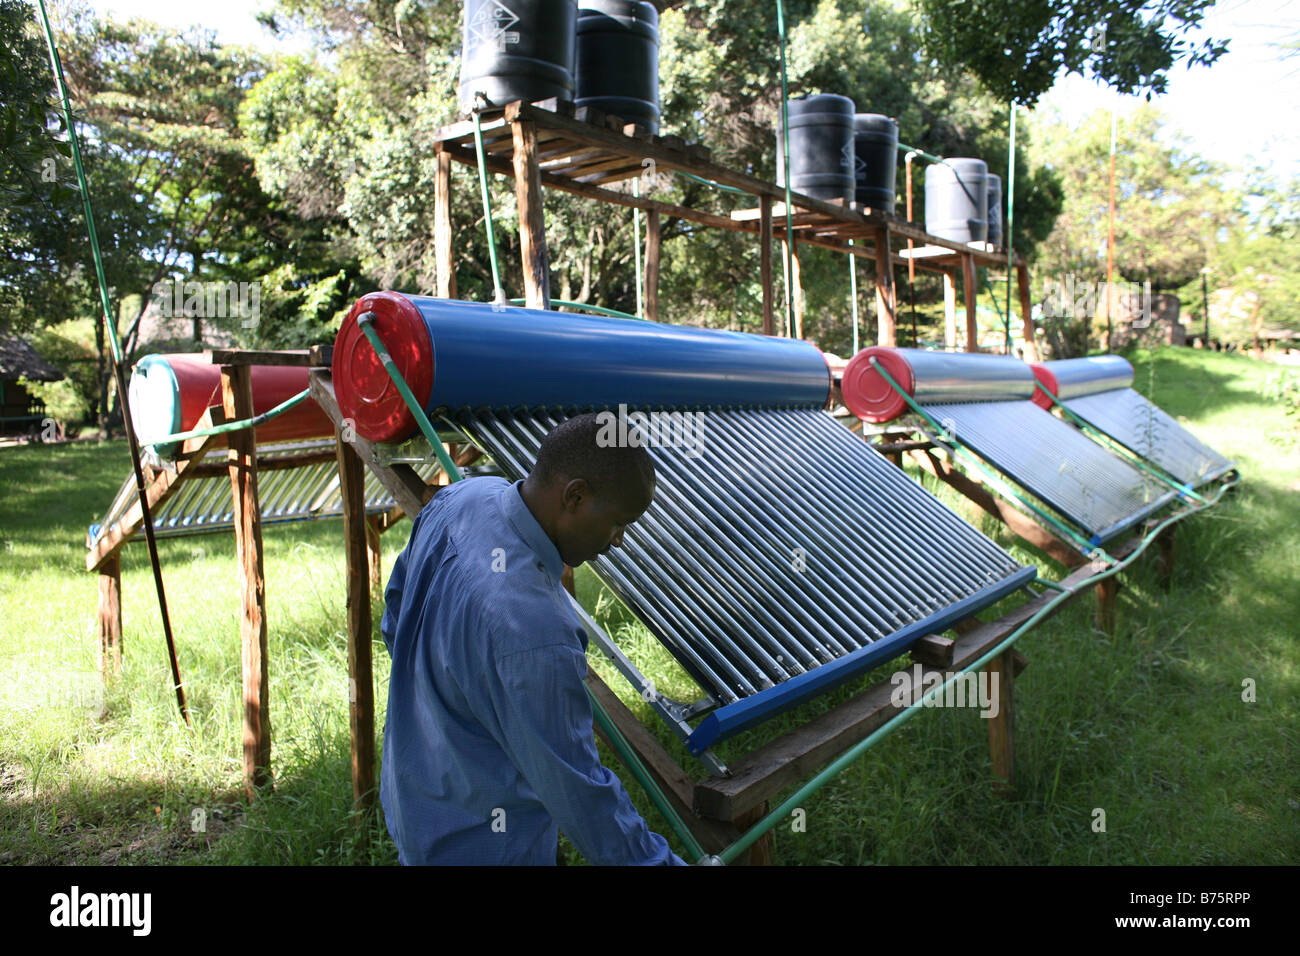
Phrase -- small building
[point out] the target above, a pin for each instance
(20, 410)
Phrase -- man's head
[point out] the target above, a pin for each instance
(583, 493)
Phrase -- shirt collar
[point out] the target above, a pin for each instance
(522, 519)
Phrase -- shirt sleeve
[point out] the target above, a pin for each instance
(544, 717)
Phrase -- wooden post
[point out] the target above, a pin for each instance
(532, 226)
(949, 310)
(374, 552)
(1106, 593)
(241, 458)
(760, 854)
(968, 281)
(110, 617)
(765, 263)
(1002, 726)
(1165, 561)
(886, 317)
(652, 266)
(361, 694)
(446, 261)
(1027, 313)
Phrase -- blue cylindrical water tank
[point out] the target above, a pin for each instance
(456, 354)
(618, 60)
(957, 199)
(521, 50)
(821, 147)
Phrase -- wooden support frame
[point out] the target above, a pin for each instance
(949, 309)
(109, 617)
(886, 305)
(1026, 313)
(971, 288)
(442, 230)
(237, 402)
(653, 241)
(358, 531)
(551, 145)
(765, 264)
(532, 225)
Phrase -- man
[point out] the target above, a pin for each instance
(488, 745)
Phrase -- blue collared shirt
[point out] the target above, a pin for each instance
(488, 745)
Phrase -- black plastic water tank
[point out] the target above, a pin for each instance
(957, 199)
(821, 147)
(875, 144)
(618, 59)
(518, 50)
(995, 209)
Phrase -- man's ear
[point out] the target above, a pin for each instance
(575, 492)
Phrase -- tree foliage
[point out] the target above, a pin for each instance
(1017, 48)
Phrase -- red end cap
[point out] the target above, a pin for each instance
(865, 390)
(366, 393)
(1048, 380)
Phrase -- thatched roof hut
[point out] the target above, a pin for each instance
(20, 360)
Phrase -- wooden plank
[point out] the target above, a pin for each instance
(653, 241)
(374, 551)
(886, 314)
(162, 485)
(1002, 725)
(298, 358)
(949, 310)
(444, 257)
(237, 403)
(322, 356)
(360, 581)
(933, 649)
(210, 469)
(1027, 314)
(408, 489)
(765, 264)
(970, 287)
(532, 224)
(1107, 591)
(109, 617)
(1165, 558)
(1019, 523)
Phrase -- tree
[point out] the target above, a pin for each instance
(36, 190)
(175, 197)
(1170, 206)
(1255, 269)
(1017, 48)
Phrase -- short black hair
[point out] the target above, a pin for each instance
(571, 450)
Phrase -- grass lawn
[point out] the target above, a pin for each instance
(1149, 726)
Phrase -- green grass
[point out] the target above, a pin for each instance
(1149, 725)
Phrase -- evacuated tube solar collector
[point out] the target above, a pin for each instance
(781, 556)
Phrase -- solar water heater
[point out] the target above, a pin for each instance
(781, 557)
(984, 403)
(1098, 390)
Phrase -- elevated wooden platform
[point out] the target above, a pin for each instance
(586, 152)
